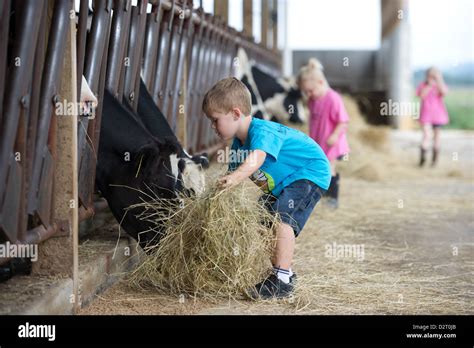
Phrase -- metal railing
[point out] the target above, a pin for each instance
(179, 52)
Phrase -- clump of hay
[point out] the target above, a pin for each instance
(454, 173)
(368, 172)
(375, 137)
(217, 244)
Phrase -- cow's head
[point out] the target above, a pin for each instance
(172, 170)
(146, 174)
(156, 168)
(190, 172)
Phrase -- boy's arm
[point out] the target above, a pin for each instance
(251, 164)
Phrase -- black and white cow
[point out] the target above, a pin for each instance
(153, 119)
(140, 157)
(272, 98)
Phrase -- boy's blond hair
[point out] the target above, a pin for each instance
(312, 70)
(227, 94)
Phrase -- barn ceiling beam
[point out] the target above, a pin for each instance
(265, 23)
(274, 17)
(248, 17)
(221, 9)
(392, 13)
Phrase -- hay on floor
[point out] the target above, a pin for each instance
(218, 244)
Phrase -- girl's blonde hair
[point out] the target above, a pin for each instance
(312, 70)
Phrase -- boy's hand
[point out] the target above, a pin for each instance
(226, 182)
(251, 164)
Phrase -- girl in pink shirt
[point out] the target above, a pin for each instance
(328, 120)
(433, 112)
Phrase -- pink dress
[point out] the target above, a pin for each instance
(326, 113)
(433, 110)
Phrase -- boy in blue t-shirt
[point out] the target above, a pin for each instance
(286, 164)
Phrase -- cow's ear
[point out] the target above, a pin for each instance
(147, 159)
(149, 150)
(168, 146)
(201, 159)
(181, 165)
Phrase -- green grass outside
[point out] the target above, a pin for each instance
(460, 104)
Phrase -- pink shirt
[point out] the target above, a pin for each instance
(433, 110)
(326, 113)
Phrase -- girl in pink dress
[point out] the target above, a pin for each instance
(328, 120)
(433, 113)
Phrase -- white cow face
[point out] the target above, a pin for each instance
(188, 173)
(193, 177)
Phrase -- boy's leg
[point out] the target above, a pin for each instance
(294, 205)
(285, 246)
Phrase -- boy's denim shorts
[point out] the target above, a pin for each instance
(295, 203)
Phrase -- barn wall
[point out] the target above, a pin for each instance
(357, 75)
(353, 72)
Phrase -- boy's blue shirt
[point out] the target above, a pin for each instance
(291, 156)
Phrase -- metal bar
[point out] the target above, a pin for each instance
(162, 59)
(206, 81)
(182, 61)
(35, 236)
(49, 91)
(96, 47)
(89, 163)
(150, 51)
(132, 71)
(200, 85)
(81, 42)
(86, 213)
(19, 77)
(193, 64)
(207, 133)
(117, 44)
(171, 82)
(5, 16)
